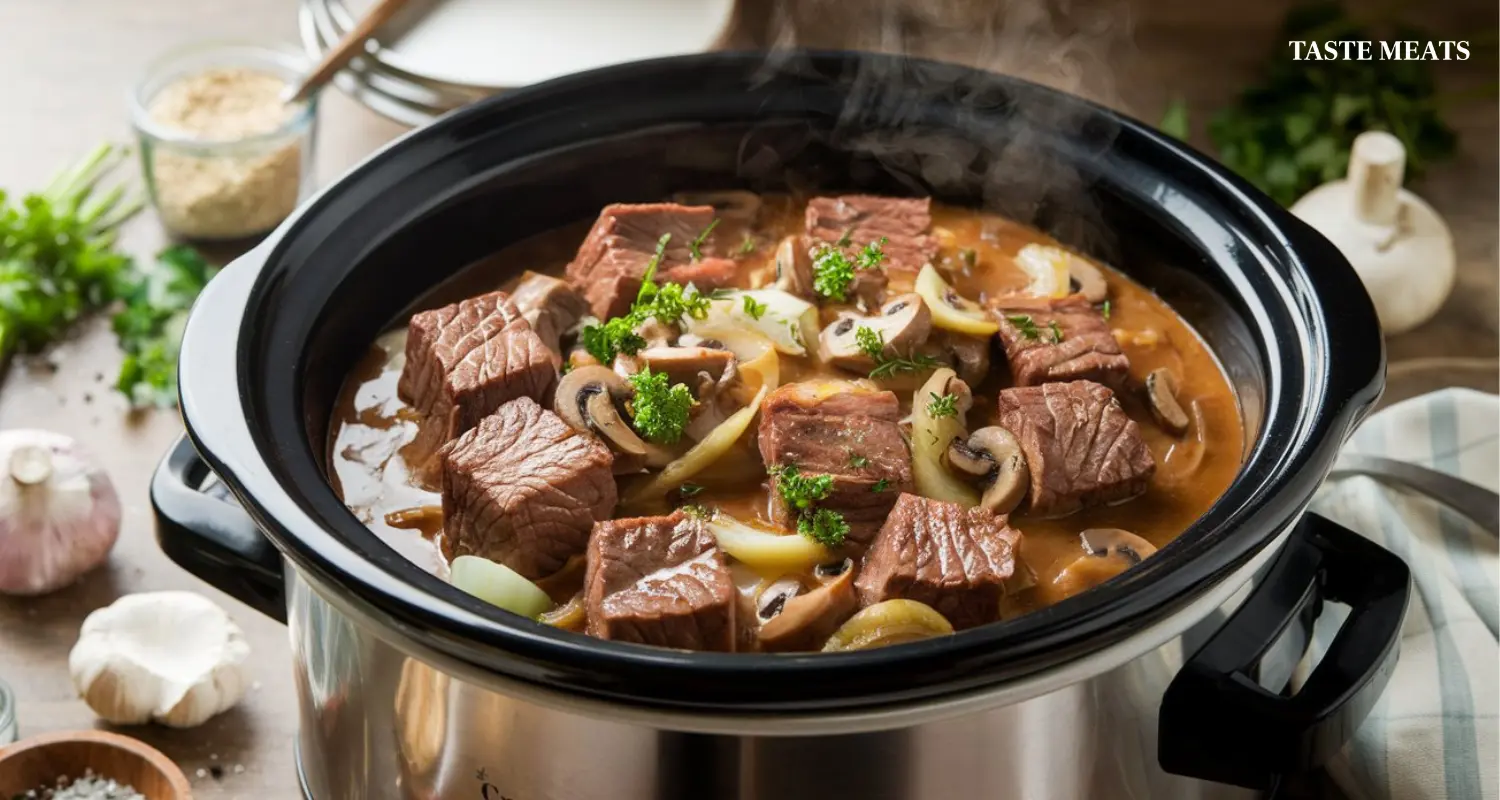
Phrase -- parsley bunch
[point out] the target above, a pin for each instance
(149, 327)
(668, 303)
(1294, 130)
(833, 271)
(801, 493)
(659, 409)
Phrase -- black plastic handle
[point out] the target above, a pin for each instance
(1227, 716)
(201, 527)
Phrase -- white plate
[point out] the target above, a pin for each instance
(499, 44)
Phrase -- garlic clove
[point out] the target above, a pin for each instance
(59, 514)
(1398, 244)
(175, 658)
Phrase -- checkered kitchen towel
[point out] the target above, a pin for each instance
(1433, 734)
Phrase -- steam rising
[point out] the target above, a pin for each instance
(1063, 44)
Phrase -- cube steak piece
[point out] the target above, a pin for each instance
(1081, 448)
(466, 359)
(905, 223)
(612, 260)
(524, 489)
(846, 430)
(660, 581)
(952, 558)
(1087, 349)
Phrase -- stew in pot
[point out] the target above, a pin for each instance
(768, 423)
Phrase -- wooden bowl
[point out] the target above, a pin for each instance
(38, 761)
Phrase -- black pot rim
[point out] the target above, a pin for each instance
(1313, 401)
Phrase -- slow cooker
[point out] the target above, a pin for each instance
(1173, 680)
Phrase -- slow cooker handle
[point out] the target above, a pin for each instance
(208, 534)
(1218, 720)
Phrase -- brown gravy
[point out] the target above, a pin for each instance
(371, 424)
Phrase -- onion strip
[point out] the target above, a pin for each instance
(702, 455)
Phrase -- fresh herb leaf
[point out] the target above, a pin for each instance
(648, 276)
(1057, 334)
(824, 526)
(881, 485)
(858, 461)
(695, 246)
(608, 340)
(1025, 324)
(660, 410)
(747, 246)
(1105, 309)
(149, 327)
(833, 271)
(689, 490)
(844, 239)
(969, 256)
(696, 511)
(944, 406)
(668, 303)
(754, 309)
(801, 491)
(872, 344)
(1174, 122)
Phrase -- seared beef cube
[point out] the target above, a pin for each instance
(551, 306)
(847, 431)
(661, 581)
(905, 223)
(1086, 350)
(613, 258)
(524, 489)
(464, 360)
(952, 558)
(1081, 448)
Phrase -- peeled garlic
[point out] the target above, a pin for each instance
(59, 514)
(169, 657)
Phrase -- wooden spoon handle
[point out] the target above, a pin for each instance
(347, 48)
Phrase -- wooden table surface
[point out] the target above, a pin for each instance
(66, 67)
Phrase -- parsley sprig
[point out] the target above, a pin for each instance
(801, 493)
(833, 271)
(660, 409)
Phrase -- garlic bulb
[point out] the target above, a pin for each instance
(1398, 244)
(170, 657)
(59, 514)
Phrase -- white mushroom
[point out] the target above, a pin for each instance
(994, 457)
(804, 620)
(1088, 280)
(1161, 394)
(903, 324)
(586, 399)
(169, 657)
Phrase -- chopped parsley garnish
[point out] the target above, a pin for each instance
(872, 344)
(1057, 334)
(696, 511)
(1105, 309)
(660, 410)
(748, 246)
(969, 257)
(668, 303)
(689, 490)
(858, 461)
(944, 406)
(881, 485)
(754, 309)
(833, 271)
(824, 526)
(798, 490)
(695, 246)
(1025, 324)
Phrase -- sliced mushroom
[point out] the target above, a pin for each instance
(586, 399)
(684, 364)
(774, 598)
(794, 273)
(1107, 552)
(1088, 280)
(993, 456)
(903, 323)
(970, 355)
(805, 621)
(657, 333)
(730, 203)
(1161, 393)
(868, 288)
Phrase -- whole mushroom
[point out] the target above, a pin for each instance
(586, 400)
(994, 457)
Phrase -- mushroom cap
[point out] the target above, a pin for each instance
(1161, 395)
(586, 400)
(1107, 552)
(1089, 279)
(995, 456)
(903, 324)
(806, 620)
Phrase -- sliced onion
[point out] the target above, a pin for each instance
(1048, 268)
(929, 442)
(767, 552)
(499, 585)
(788, 322)
(960, 316)
(887, 623)
(713, 447)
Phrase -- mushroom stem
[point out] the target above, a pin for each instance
(30, 465)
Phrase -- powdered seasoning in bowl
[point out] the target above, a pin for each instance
(223, 156)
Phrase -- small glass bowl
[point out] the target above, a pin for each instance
(8, 727)
(211, 189)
